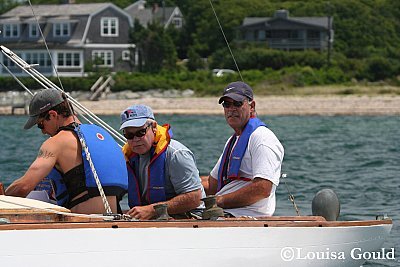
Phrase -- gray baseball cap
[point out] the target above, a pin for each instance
(238, 91)
(136, 116)
(41, 102)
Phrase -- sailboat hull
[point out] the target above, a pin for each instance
(170, 244)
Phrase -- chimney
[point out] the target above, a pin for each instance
(281, 13)
(155, 8)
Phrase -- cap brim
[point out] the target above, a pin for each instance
(234, 96)
(31, 122)
(133, 123)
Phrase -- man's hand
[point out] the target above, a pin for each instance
(142, 212)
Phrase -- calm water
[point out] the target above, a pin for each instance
(358, 157)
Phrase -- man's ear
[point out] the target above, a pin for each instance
(253, 106)
(154, 127)
(53, 113)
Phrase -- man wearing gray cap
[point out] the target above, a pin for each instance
(247, 173)
(160, 169)
(62, 159)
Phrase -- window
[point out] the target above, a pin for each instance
(261, 35)
(177, 22)
(11, 30)
(109, 27)
(33, 30)
(126, 55)
(8, 62)
(313, 34)
(103, 58)
(68, 59)
(40, 58)
(61, 29)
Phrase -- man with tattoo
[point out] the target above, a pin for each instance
(62, 160)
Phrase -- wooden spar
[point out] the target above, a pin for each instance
(2, 192)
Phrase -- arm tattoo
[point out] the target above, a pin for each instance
(45, 154)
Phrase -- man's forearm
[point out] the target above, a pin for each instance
(184, 202)
(18, 189)
(250, 194)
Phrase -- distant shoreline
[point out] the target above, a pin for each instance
(265, 105)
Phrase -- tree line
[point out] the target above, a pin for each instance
(366, 45)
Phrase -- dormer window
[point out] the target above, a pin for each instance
(33, 30)
(177, 22)
(11, 30)
(109, 27)
(61, 29)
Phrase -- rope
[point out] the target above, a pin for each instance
(226, 41)
(291, 197)
(60, 212)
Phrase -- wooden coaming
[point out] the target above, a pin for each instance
(300, 221)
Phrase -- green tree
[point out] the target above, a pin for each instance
(156, 49)
(194, 60)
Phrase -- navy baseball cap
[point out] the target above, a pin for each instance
(136, 116)
(238, 91)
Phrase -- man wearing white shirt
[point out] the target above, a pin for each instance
(247, 173)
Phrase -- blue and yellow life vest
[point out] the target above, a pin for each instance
(156, 171)
(230, 165)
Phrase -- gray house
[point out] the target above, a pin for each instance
(167, 16)
(288, 33)
(95, 35)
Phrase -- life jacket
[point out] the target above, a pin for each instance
(107, 159)
(156, 172)
(230, 164)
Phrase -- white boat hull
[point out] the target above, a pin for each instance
(209, 246)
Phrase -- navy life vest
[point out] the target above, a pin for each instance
(230, 164)
(156, 172)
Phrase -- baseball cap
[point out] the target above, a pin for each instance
(238, 91)
(42, 101)
(136, 116)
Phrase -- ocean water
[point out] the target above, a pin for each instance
(356, 156)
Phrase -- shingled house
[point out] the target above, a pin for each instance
(167, 16)
(289, 33)
(76, 34)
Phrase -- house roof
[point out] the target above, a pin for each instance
(56, 10)
(165, 12)
(322, 22)
(145, 15)
(79, 14)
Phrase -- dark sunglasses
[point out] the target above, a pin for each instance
(138, 134)
(236, 104)
(40, 124)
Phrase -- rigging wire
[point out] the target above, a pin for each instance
(47, 47)
(226, 40)
(46, 83)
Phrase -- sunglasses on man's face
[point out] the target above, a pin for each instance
(41, 120)
(236, 104)
(138, 134)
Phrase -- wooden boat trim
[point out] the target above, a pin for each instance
(189, 224)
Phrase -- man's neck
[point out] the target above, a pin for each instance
(238, 131)
(69, 120)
